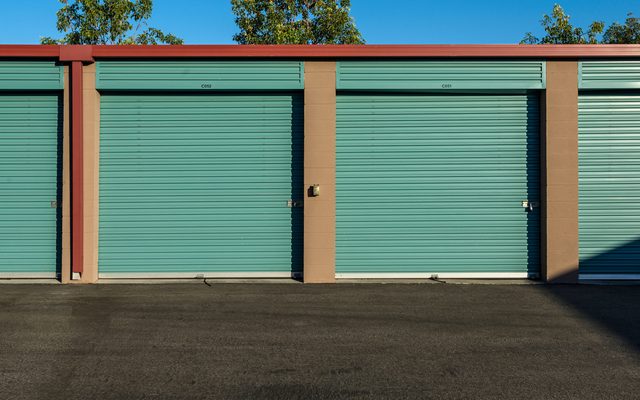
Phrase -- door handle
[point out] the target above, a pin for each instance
(530, 205)
(294, 204)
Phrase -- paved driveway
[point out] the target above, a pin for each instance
(291, 341)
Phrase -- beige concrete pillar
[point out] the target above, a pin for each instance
(65, 262)
(560, 173)
(91, 147)
(320, 169)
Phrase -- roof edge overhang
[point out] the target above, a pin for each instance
(67, 53)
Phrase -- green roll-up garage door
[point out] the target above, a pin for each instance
(435, 184)
(199, 184)
(30, 168)
(609, 170)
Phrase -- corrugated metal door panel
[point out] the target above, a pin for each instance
(435, 183)
(610, 74)
(200, 183)
(30, 168)
(199, 75)
(31, 75)
(448, 75)
(609, 170)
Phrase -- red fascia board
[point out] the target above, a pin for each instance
(29, 51)
(369, 51)
(89, 53)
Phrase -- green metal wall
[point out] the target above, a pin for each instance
(609, 171)
(439, 75)
(434, 183)
(199, 75)
(620, 74)
(31, 75)
(30, 168)
(199, 183)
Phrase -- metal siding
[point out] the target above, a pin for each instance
(415, 75)
(200, 183)
(192, 75)
(30, 168)
(30, 75)
(434, 183)
(609, 74)
(609, 171)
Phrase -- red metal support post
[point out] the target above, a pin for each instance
(77, 214)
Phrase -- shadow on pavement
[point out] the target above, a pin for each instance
(613, 305)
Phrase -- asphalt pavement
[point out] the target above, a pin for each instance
(294, 341)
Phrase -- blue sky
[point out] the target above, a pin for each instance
(381, 21)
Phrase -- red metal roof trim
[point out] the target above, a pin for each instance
(372, 51)
(87, 53)
(26, 51)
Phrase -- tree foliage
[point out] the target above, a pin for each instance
(108, 22)
(629, 33)
(295, 22)
(559, 30)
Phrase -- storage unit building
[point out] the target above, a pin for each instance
(320, 162)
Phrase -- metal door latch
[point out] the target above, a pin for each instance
(294, 204)
(54, 204)
(530, 205)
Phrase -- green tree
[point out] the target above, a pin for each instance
(559, 30)
(629, 33)
(295, 22)
(108, 22)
